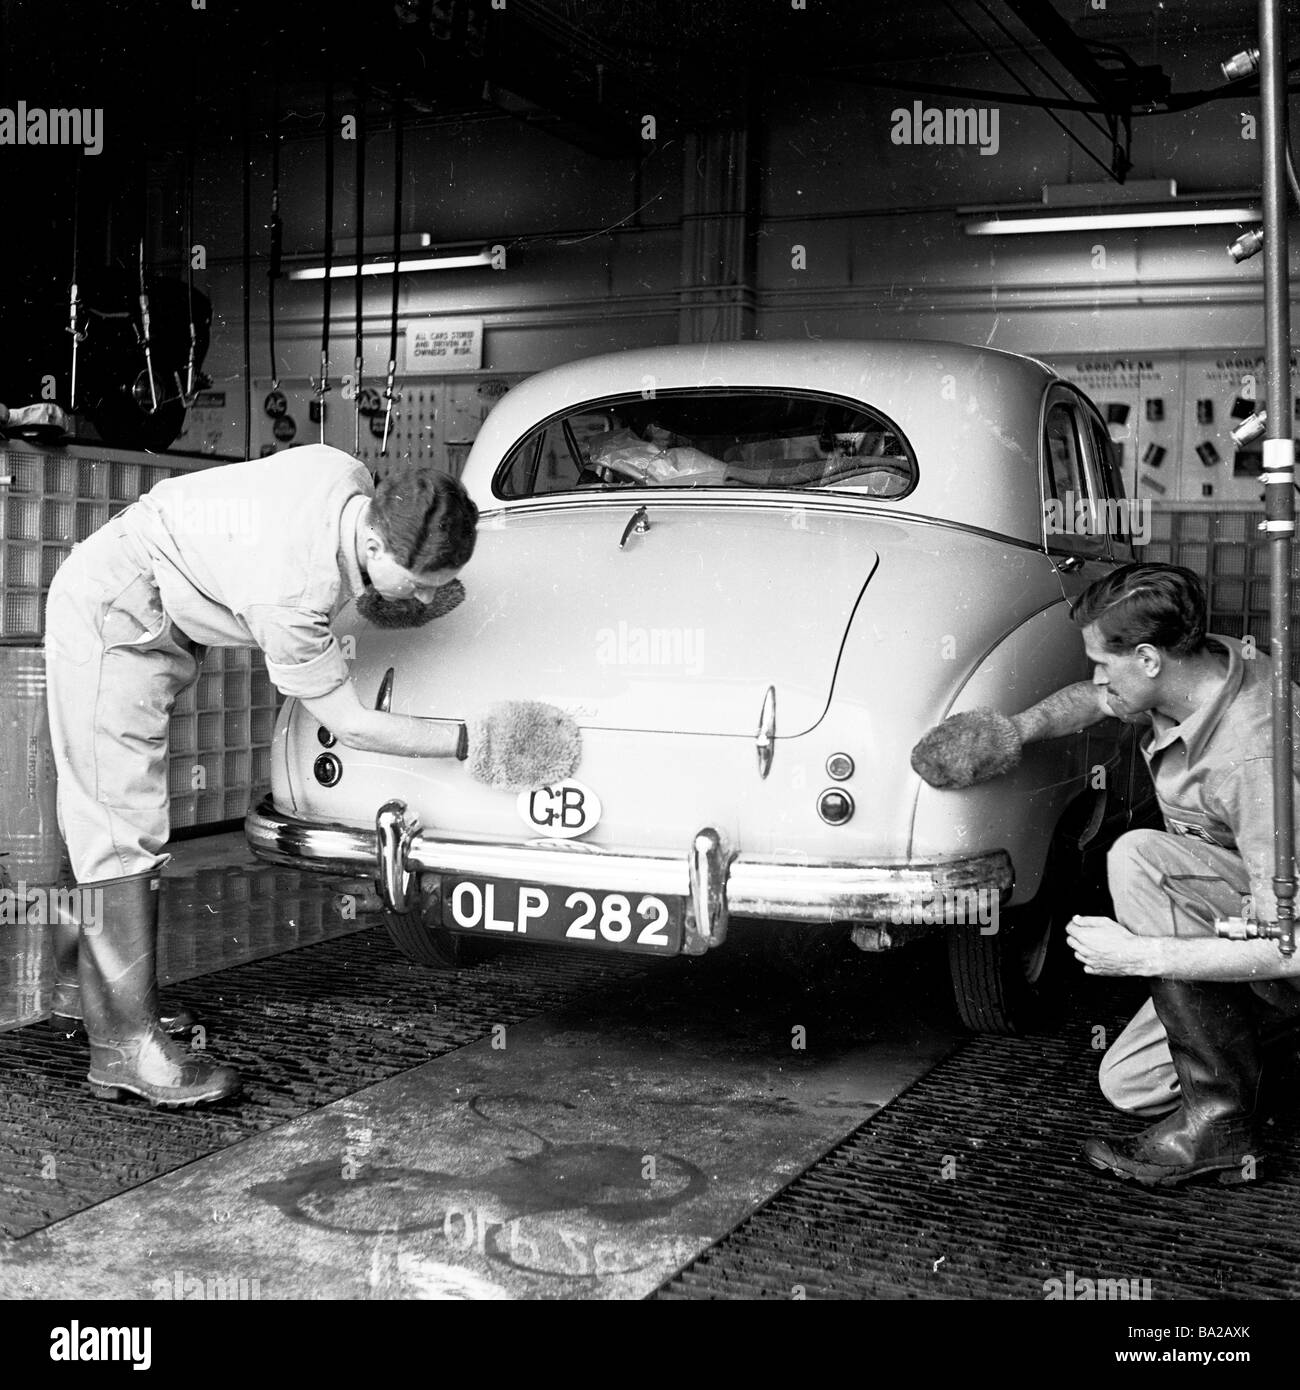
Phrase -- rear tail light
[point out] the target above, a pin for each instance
(835, 806)
(327, 769)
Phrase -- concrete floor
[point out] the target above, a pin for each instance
(588, 1153)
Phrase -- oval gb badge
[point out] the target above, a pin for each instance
(562, 810)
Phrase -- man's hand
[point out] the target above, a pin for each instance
(1104, 947)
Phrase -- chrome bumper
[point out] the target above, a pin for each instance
(715, 882)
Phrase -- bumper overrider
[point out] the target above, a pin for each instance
(714, 882)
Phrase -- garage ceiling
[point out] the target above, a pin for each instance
(582, 68)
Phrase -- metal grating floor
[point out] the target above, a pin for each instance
(301, 1037)
(1005, 1117)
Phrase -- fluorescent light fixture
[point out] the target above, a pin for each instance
(347, 270)
(1098, 220)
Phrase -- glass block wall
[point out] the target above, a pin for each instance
(1230, 553)
(221, 727)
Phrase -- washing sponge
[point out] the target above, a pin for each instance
(521, 744)
(967, 749)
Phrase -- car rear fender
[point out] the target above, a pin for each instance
(1020, 810)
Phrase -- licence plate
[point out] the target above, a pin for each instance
(643, 922)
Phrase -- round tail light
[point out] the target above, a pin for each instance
(835, 806)
(328, 769)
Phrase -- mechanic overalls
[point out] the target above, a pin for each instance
(252, 554)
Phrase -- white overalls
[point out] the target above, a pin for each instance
(259, 554)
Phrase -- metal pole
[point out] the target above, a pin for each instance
(1279, 451)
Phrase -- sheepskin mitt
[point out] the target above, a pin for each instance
(446, 598)
(521, 744)
(967, 749)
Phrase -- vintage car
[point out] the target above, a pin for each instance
(755, 574)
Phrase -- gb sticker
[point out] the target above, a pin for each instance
(562, 810)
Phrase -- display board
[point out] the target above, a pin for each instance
(1171, 414)
(436, 419)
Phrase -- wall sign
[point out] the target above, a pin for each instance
(434, 346)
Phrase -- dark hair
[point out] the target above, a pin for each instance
(424, 517)
(1163, 605)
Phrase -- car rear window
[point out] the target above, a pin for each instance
(712, 439)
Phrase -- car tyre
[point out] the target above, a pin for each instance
(1010, 982)
(419, 935)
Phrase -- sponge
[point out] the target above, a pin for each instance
(521, 744)
(967, 749)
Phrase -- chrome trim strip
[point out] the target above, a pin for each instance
(781, 889)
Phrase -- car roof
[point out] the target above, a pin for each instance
(972, 414)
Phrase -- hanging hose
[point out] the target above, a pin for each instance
(322, 384)
(361, 237)
(277, 228)
(146, 332)
(191, 366)
(390, 392)
(74, 300)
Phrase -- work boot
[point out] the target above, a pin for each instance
(119, 997)
(65, 1006)
(1214, 1041)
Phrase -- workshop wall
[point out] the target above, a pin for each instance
(596, 259)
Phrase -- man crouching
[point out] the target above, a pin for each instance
(1192, 1054)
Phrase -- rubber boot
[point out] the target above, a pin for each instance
(65, 1007)
(1214, 1040)
(129, 1052)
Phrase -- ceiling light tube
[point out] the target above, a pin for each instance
(1103, 221)
(346, 271)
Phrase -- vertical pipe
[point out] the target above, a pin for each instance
(247, 264)
(1279, 449)
(359, 346)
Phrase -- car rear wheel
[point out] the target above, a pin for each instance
(1010, 980)
(419, 935)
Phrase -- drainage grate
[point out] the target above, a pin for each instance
(1004, 1118)
(305, 1028)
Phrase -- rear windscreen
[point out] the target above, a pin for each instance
(712, 439)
